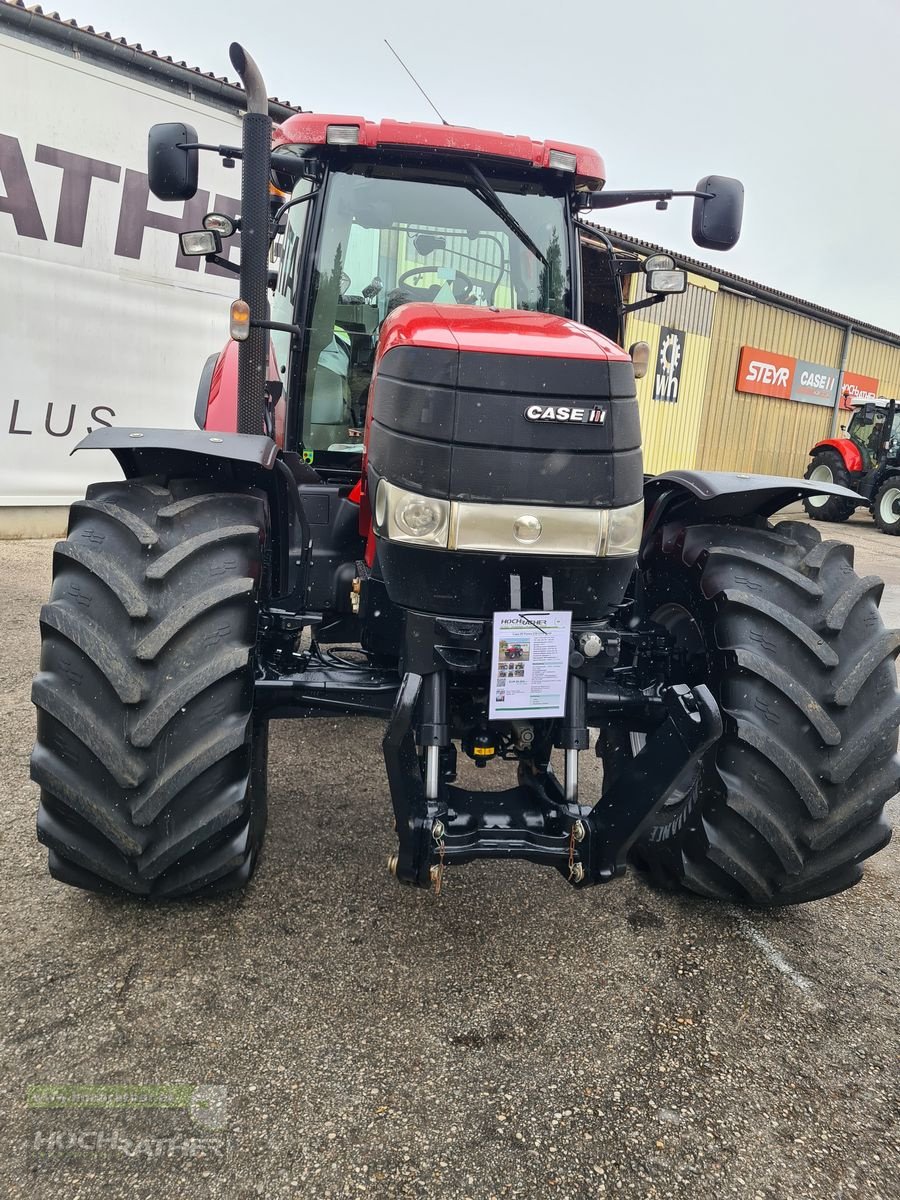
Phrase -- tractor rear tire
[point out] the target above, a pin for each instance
(885, 510)
(151, 766)
(789, 802)
(827, 466)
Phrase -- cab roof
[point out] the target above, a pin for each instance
(311, 129)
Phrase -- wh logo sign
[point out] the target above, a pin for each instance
(669, 361)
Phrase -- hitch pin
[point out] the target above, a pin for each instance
(571, 776)
(432, 763)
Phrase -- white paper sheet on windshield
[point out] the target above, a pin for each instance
(529, 664)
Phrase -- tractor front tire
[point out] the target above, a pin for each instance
(827, 466)
(789, 802)
(886, 506)
(151, 767)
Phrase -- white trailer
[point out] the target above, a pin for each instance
(100, 318)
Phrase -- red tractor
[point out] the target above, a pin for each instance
(866, 460)
(423, 450)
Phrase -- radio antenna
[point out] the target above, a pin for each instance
(415, 81)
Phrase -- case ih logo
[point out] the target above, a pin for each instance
(765, 374)
(565, 413)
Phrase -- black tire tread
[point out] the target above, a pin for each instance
(834, 509)
(790, 802)
(147, 754)
(893, 529)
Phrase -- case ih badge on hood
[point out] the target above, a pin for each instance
(575, 416)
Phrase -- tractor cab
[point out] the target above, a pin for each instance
(875, 430)
(370, 215)
(394, 227)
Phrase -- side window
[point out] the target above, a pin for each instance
(283, 303)
(601, 301)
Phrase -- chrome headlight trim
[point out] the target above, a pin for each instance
(525, 529)
(388, 516)
(498, 528)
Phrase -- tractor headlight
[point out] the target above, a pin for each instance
(404, 516)
(624, 529)
(419, 516)
(428, 521)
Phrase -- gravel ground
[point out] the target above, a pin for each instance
(509, 1038)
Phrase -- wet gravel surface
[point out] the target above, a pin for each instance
(509, 1038)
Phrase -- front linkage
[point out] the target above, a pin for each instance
(541, 819)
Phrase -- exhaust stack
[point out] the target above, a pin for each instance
(257, 148)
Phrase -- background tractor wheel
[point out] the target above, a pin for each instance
(151, 768)
(886, 506)
(789, 802)
(828, 467)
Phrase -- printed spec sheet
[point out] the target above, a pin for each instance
(530, 664)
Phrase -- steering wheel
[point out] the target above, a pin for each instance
(462, 285)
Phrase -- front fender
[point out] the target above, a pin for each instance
(229, 460)
(848, 450)
(153, 451)
(691, 496)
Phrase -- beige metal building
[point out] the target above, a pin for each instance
(747, 378)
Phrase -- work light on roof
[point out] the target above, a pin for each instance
(562, 160)
(342, 135)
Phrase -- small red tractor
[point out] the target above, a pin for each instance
(424, 449)
(866, 460)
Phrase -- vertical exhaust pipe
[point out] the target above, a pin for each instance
(253, 353)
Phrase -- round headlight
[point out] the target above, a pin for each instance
(418, 516)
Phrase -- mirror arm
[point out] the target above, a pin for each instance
(630, 308)
(224, 263)
(617, 199)
(296, 330)
(225, 151)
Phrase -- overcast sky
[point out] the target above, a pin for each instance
(798, 98)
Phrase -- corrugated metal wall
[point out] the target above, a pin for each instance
(868, 357)
(669, 430)
(740, 432)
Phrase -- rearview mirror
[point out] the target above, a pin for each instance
(427, 243)
(718, 212)
(869, 411)
(172, 170)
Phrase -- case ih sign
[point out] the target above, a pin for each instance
(764, 373)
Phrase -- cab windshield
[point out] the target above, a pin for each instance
(389, 238)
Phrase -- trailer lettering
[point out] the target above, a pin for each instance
(135, 216)
(98, 415)
(19, 200)
(75, 190)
